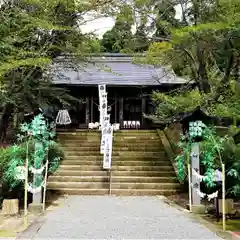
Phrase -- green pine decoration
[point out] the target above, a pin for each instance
(210, 148)
(37, 133)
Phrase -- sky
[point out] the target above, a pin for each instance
(101, 25)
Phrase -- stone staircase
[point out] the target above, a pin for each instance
(139, 165)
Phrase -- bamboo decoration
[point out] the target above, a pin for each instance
(26, 190)
(223, 198)
(45, 186)
(189, 187)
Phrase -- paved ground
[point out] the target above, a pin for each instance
(105, 217)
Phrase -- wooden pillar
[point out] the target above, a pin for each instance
(121, 111)
(143, 111)
(115, 108)
(87, 111)
(91, 108)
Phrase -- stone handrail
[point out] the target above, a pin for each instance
(168, 149)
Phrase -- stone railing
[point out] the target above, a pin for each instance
(170, 137)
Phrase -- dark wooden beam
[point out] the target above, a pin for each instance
(143, 111)
(87, 111)
(91, 107)
(121, 111)
(115, 107)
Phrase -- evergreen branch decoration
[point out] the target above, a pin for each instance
(215, 151)
(39, 137)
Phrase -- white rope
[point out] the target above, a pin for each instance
(35, 190)
(199, 193)
(217, 175)
(63, 118)
(37, 170)
(197, 175)
(209, 196)
(213, 195)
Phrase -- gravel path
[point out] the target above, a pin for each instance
(105, 217)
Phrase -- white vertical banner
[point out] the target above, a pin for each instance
(106, 128)
(106, 124)
(107, 159)
(102, 103)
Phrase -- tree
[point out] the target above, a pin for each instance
(206, 52)
(33, 33)
(120, 36)
(165, 18)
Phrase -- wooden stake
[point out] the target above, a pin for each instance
(45, 186)
(223, 198)
(26, 190)
(189, 187)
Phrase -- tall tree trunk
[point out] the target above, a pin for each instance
(5, 120)
(204, 85)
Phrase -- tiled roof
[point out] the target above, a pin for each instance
(113, 70)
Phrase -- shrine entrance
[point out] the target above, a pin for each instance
(132, 113)
(126, 106)
(112, 110)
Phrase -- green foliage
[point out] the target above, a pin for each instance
(231, 156)
(33, 34)
(170, 105)
(118, 38)
(205, 51)
(41, 147)
(214, 150)
(183, 158)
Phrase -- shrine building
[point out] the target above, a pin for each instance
(129, 87)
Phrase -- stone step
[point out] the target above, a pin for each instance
(135, 131)
(100, 185)
(62, 172)
(78, 140)
(75, 143)
(118, 163)
(116, 137)
(144, 192)
(80, 153)
(115, 168)
(116, 179)
(130, 154)
(160, 173)
(136, 138)
(117, 192)
(78, 185)
(115, 148)
(72, 191)
(116, 158)
(143, 179)
(78, 133)
(134, 185)
(78, 178)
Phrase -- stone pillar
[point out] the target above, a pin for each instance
(36, 205)
(121, 111)
(195, 163)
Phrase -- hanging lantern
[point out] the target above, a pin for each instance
(63, 118)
